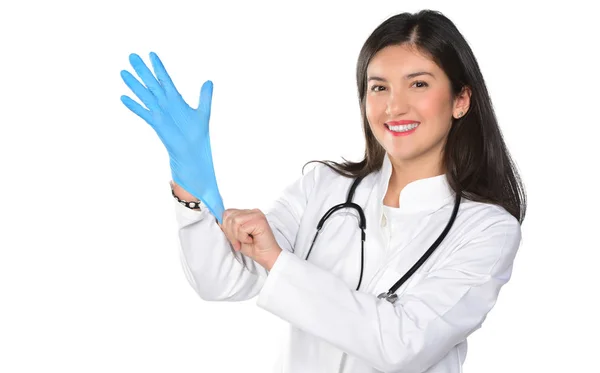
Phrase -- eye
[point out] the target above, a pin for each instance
(374, 88)
(422, 84)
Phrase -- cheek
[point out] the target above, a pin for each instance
(373, 109)
(426, 107)
(369, 108)
(435, 106)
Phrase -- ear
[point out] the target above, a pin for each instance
(462, 103)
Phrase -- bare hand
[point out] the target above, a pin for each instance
(249, 232)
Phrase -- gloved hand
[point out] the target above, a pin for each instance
(182, 130)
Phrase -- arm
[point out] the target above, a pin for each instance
(425, 322)
(217, 272)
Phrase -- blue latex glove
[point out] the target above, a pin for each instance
(182, 130)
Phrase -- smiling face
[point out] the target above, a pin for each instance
(404, 86)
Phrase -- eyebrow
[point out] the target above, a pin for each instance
(409, 76)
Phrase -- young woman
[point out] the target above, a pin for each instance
(424, 231)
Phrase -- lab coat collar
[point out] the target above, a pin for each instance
(420, 196)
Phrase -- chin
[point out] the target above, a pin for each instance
(408, 151)
(403, 157)
(406, 155)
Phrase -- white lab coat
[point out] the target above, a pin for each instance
(333, 327)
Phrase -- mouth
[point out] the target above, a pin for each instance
(402, 129)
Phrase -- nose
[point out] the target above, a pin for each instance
(397, 104)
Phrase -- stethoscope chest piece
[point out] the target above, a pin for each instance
(389, 296)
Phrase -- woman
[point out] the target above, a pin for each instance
(431, 136)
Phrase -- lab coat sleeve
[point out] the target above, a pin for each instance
(426, 321)
(217, 272)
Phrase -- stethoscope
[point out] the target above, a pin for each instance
(389, 295)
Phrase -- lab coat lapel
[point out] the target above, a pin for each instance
(421, 199)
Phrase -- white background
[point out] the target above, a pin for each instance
(90, 279)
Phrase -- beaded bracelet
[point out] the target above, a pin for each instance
(194, 205)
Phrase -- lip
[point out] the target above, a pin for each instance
(395, 123)
(399, 122)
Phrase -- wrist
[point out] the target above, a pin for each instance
(270, 262)
(182, 193)
(184, 197)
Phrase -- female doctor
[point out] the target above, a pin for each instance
(417, 238)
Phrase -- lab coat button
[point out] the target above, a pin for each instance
(383, 221)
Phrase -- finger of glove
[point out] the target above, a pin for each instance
(205, 100)
(147, 116)
(137, 109)
(147, 98)
(147, 77)
(162, 75)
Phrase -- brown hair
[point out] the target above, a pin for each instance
(476, 159)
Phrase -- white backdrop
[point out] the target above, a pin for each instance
(90, 279)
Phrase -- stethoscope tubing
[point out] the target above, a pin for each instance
(390, 295)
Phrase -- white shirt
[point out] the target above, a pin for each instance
(333, 327)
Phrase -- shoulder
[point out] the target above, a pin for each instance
(324, 180)
(484, 217)
(489, 228)
(318, 181)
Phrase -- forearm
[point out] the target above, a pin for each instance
(214, 270)
(212, 267)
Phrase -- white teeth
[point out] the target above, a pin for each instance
(403, 127)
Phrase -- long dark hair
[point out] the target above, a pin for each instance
(478, 164)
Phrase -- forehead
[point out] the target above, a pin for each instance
(400, 59)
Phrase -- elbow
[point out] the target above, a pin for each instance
(207, 292)
(421, 350)
(415, 363)
(225, 291)
(428, 344)
(203, 289)
(409, 362)
(417, 360)
(204, 292)
(209, 295)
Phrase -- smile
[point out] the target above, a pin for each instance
(403, 129)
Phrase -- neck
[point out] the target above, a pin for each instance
(405, 172)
